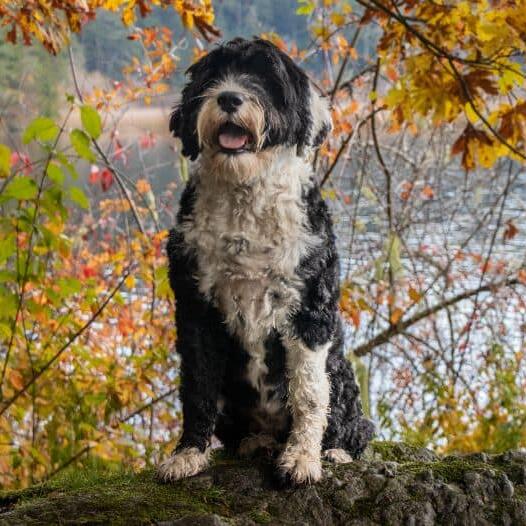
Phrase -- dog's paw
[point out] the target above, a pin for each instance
(298, 466)
(337, 456)
(184, 463)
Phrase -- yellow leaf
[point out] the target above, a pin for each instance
(470, 113)
(16, 379)
(414, 295)
(396, 315)
(128, 15)
(337, 19)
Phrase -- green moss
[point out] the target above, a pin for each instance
(115, 498)
(449, 469)
(261, 517)
(399, 452)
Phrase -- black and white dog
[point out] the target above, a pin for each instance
(254, 268)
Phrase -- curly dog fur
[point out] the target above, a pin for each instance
(254, 268)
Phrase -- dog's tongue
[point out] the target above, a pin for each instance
(231, 141)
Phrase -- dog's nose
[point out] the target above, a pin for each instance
(229, 101)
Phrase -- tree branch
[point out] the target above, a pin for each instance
(401, 326)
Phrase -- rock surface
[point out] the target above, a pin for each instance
(393, 485)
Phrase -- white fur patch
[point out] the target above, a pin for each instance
(337, 456)
(321, 115)
(185, 463)
(309, 403)
(302, 465)
(249, 239)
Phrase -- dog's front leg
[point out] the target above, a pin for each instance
(308, 400)
(201, 345)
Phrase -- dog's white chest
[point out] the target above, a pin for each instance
(249, 240)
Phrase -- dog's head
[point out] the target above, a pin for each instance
(244, 98)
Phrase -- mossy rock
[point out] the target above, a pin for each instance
(394, 484)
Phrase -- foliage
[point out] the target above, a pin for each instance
(51, 23)
(83, 330)
(421, 93)
(441, 92)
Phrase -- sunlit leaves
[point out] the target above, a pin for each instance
(5, 160)
(52, 24)
(21, 187)
(54, 275)
(91, 121)
(78, 196)
(41, 129)
(55, 174)
(81, 142)
(306, 7)
(456, 63)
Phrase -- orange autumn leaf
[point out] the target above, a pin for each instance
(143, 186)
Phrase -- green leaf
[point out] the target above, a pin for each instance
(305, 9)
(55, 174)
(78, 196)
(5, 332)
(51, 201)
(42, 129)
(91, 121)
(183, 168)
(81, 142)
(7, 248)
(68, 286)
(21, 187)
(394, 254)
(70, 167)
(5, 160)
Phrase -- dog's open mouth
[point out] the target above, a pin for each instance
(234, 139)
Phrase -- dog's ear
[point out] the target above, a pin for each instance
(182, 126)
(308, 118)
(183, 121)
(321, 120)
(176, 121)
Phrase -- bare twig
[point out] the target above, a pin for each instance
(403, 325)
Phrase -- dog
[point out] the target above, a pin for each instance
(254, 269)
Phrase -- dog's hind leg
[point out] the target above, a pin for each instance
(348, 428)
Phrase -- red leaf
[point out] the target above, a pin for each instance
(119, 153)
(147, 140)
(427, 192)
(88, 272)
(106, 180)
(511, 230)
(94, 174)
(23, 159)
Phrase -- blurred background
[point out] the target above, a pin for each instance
(424, 173)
